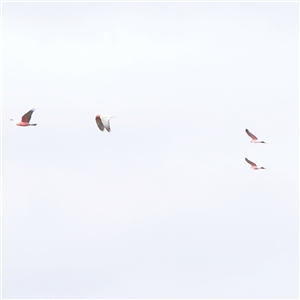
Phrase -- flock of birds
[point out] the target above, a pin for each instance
(103, 122)
(255, 140)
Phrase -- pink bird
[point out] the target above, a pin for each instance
(25, 119)
(103, 122)
(254, 139)
(253, 165)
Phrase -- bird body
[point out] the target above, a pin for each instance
(103, 121)
(254, 139)
(25, 120)
(253, 166)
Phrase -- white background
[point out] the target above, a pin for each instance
(163, 206)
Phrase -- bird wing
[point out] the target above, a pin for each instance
(105, 121)
(99, 123)
(250, 162)
(26, 118)
(251, 135)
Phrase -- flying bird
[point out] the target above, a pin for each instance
(103, 122)
(253, 165)
(25, 119)
(254, 139)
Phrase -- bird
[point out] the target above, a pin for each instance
(25, 119)
(254, 139)
(253, 165)
(103, 121)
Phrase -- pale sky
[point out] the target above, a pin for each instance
(163, 206)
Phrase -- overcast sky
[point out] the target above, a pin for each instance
(163, 206)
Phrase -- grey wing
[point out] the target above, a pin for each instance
(99, 123)
(250, 162)
(251, 134)
(26, 118)
(106, 123)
